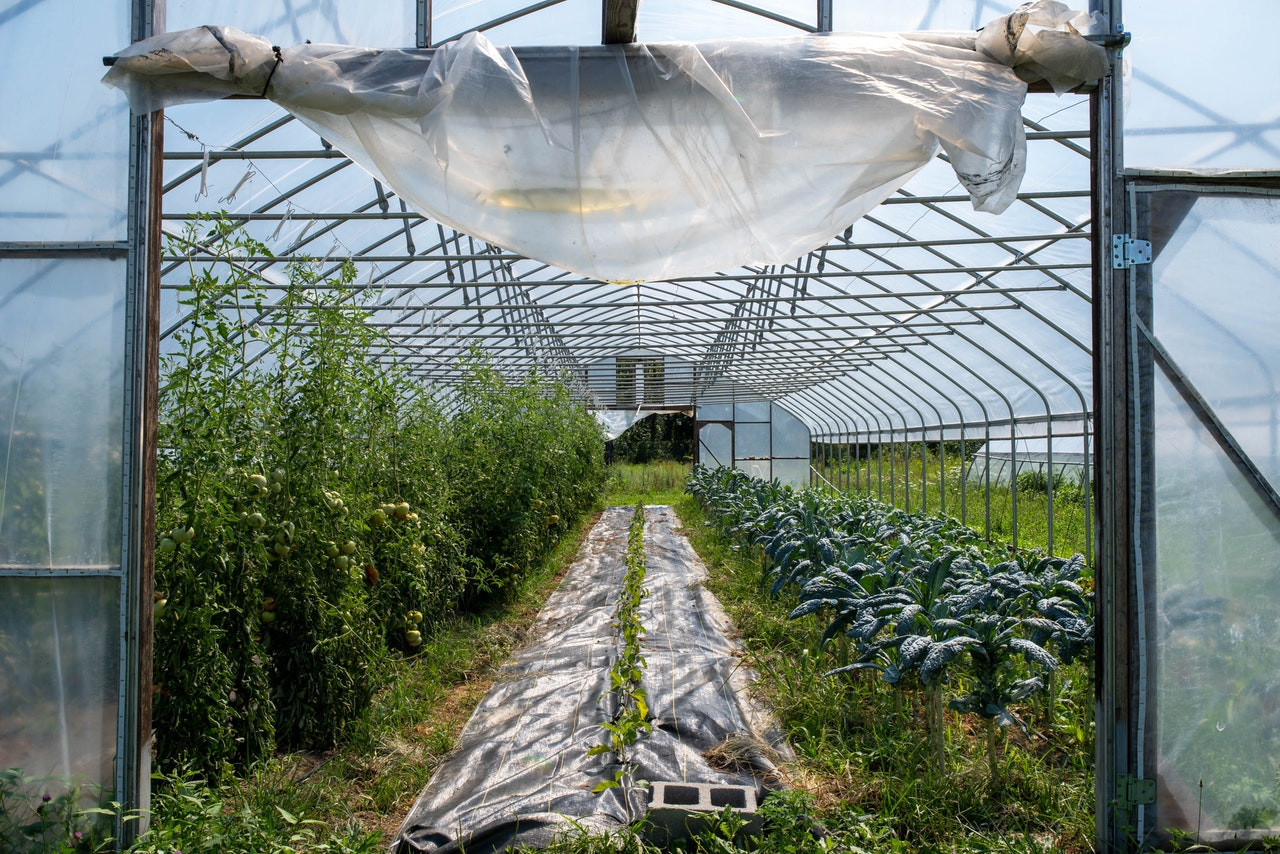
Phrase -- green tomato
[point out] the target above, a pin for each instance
(258, 482)
(267, 616)
(331, 549)
(342, 561)
(256, 520)
(167, 546)
(282, 549)
(161, 606)
(413, 638)
(348, 548)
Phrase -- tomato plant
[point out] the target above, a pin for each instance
(311, 497)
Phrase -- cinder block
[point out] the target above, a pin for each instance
(683, 810)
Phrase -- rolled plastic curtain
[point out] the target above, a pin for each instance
(640, 162)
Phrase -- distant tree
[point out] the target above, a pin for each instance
(663, 436)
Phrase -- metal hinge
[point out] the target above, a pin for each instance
(1134, 791)
(1127, 251)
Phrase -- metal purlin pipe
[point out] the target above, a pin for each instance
(1013, 492)
(987, 420)
(981, 378)
(1008, 268)
(942, 465)
(889, 410)
(890, 388)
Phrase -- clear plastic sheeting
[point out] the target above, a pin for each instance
(1216, 638)
(616, 422)
(1223, 337)
(757, 437)
(1214, 113)
(1001, 460)
(64, 141)
(318, 21)
(520, 773)
(648, 162)
(61, 380)
(59, 666)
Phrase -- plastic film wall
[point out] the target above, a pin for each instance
(67, 496)
(755, 436)
(1216, 469)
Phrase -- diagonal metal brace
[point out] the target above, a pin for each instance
(1204, 412)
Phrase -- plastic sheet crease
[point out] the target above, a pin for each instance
(520, 771)
(648, 162)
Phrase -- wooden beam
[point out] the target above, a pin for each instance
(620, 21)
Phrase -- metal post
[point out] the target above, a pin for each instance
(824, 16)
(1114, 462)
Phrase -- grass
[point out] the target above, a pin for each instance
(652, 483)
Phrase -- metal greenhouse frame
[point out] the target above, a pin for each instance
(1050, 338)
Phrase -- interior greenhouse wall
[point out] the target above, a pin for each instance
(74, 233)
(754, 436)
(1183, 456)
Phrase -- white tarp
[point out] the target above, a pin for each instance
(648, 162)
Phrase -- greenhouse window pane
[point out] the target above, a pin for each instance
(59, 669)
(715, 412)
(752, 441)
(790, 436)
(64, 139)
(715, 443)
(754, 411)
(762, 469)
(1218, 636)
(1223, 337)
(792, 472)
(1217, 112)
(61, 387)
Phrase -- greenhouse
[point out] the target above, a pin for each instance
(1003, 265)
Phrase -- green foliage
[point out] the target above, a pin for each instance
(524, 464)
(49, 816)
(916, 595)
(628, 699)
(189, 816)
(865, 749)
(654, 483)
(317, 511)
(661, 436)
